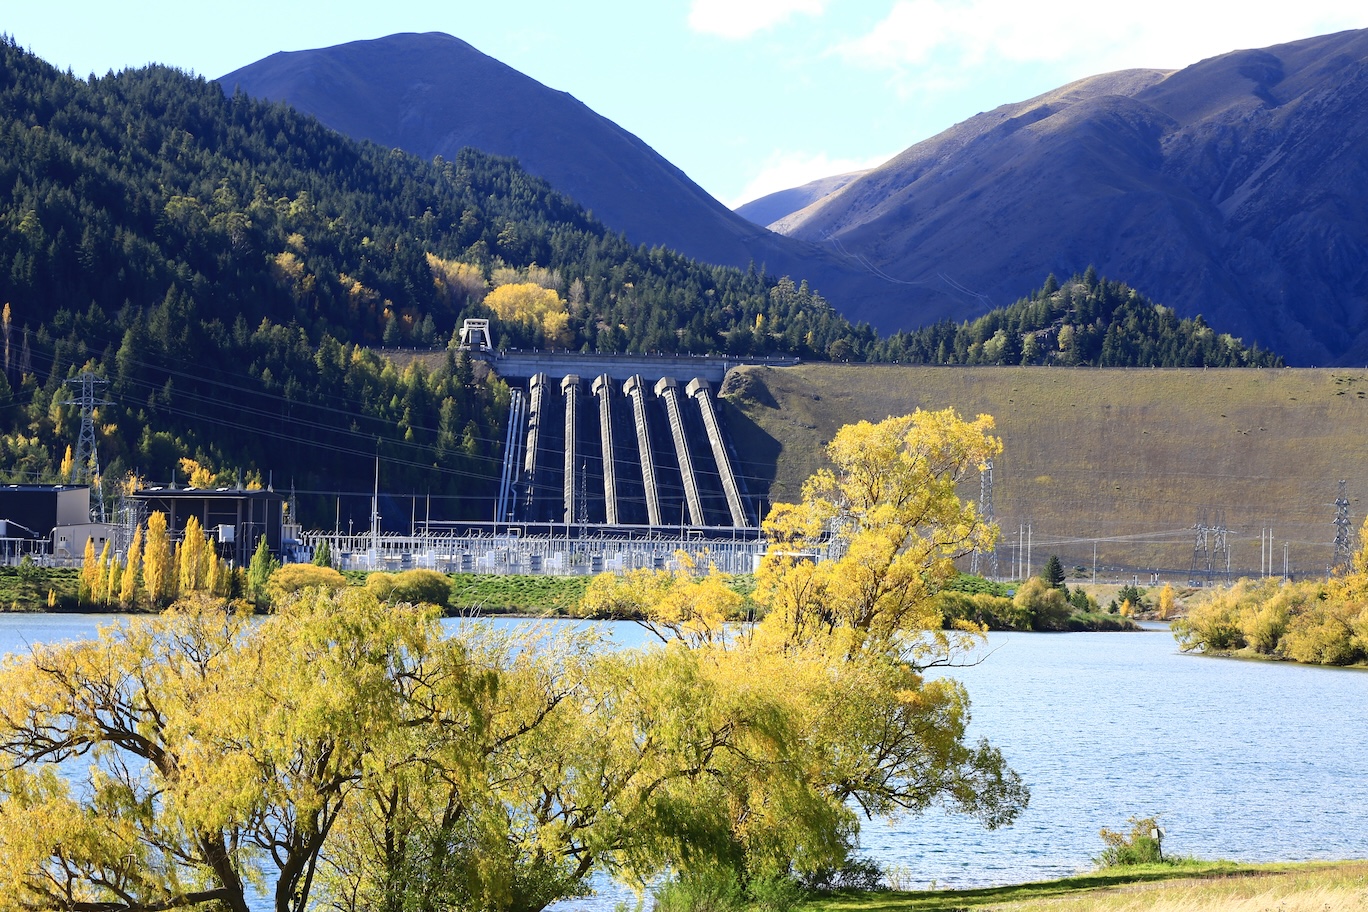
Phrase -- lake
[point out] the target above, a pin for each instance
(1255, 761)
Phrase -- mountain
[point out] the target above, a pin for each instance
(222, 268)
(433, 94)
(1236, 188)
(772, 207)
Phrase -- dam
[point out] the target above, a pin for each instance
(620, 441)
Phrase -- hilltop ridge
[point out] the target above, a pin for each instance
(433, 94)
(1232, 188)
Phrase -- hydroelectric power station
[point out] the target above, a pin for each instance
(611, 462)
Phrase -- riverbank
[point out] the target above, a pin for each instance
(1217, 886)
(56, 589)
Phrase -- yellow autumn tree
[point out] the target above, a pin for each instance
(1167, 602)
(312, 730)
(196, 475)
(101, 594)
(158, 568)
(128, 589)
(214, 579)
(113, 580)
(534, 307)
(457, 283)
(192, 558)
(888, 524)
(822, 708)
(90, 574)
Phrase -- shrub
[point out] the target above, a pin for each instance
(720, 890)
(993, 611)
(712, 890)
(292, 578)
(1323, 634)
(381, 585)
(1263, 626)
(1138, 847)
(974, 585)
(1214, 625)
(779, 893)
(426, 587)
(1046, 608)
(856, 874)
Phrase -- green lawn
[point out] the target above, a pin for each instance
(1313, 887)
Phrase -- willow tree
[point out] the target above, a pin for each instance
(888, 524)
(849, 630)
(820, 711)
(349, 753)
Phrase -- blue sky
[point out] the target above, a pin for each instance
(746, 96)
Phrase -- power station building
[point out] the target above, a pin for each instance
(237, 520)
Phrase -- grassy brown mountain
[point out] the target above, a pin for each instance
(1234, 188)
(1128, 459)
(433, 94)
(774, 207)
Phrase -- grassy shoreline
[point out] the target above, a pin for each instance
(1221, 885)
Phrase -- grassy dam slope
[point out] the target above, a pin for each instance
(1128, 462)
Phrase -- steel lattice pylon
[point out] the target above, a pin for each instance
(986, 563)
(85, 467)
(1344, 548)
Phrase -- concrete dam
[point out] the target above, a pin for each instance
(619, 442)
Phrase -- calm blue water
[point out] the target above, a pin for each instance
(1243, 760)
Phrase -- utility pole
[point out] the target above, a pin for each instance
(375, 510)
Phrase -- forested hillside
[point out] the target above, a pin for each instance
(223, 263)
(1086, 322)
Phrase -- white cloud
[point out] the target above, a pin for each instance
(939, 35)
(743, 18)
(785, 170)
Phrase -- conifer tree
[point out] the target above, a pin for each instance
(1053, 574)
(260, 569)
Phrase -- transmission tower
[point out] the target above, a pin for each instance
(1201, 552)
(986, 563)
(582, 494)
(1220, 551)
(1344, 549)
(1210, 551)
(85, 466)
